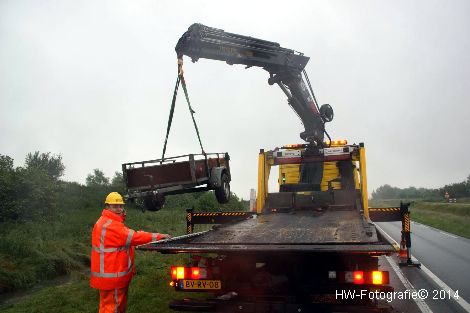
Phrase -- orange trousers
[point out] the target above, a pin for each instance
(113, 301)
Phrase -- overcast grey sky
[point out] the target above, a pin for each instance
(93, 80)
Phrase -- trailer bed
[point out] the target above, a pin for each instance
(327, 231)
(180, 174)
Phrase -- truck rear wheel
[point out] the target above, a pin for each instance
(222, 193)
(154, 202)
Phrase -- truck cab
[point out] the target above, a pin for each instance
(336, 176)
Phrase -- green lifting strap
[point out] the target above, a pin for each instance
(172, 110)
(170, 118)
(183, 83)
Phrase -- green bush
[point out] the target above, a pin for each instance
(29, 193)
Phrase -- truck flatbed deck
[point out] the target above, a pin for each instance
(331, 230)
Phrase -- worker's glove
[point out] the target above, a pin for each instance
(165, 236)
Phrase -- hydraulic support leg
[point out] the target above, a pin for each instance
(406, 235)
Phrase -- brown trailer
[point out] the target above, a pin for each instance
(152, 180)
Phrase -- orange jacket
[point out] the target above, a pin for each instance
(112, 253)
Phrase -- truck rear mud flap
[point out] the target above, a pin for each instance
(215, 305)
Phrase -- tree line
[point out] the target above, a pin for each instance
(455, 190)
(36, 190)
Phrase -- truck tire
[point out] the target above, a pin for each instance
(154, 202)
(222, 193)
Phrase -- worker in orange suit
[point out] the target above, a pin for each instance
(112, 254)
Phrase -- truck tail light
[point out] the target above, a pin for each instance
(177, 272)
(361, 277)
(180, 272)
(195, 273)
(377, 278)
(358, 277)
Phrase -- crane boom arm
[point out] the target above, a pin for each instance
(285, 67)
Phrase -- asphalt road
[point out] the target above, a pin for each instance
(445, 255)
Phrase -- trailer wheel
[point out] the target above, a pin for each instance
(154, 202)
(222, 193)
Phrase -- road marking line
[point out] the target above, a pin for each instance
(394, 243)
(386, 234)
(441, 231)
(447, 234)
(419, 302)
(419, 224)
(464, 304)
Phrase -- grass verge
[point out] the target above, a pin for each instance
(451, 217)
(149, 290)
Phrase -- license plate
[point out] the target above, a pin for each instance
(200, 284)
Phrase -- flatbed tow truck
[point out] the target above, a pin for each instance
(304, 243)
